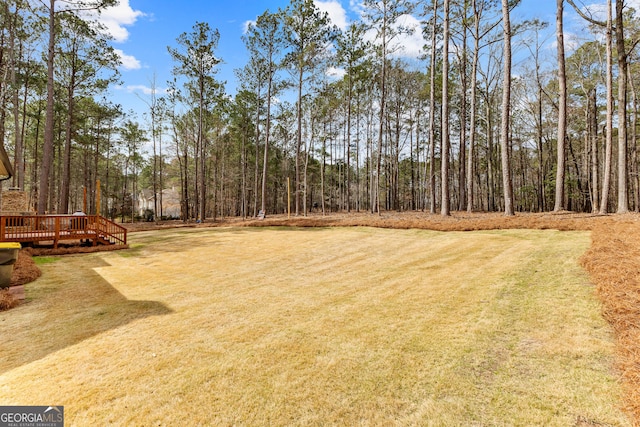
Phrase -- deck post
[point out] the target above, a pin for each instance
(56, 235)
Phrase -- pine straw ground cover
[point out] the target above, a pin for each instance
(613, 263)
(24, 271)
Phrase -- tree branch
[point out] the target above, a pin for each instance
(585, 16)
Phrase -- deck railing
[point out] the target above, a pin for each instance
(38, 228)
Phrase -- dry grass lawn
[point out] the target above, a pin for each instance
(323, 326)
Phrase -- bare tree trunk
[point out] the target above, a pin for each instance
(432, 113)
(153, 112)
(623, 199)
(444, 151)
(474, 84)
(202, 199)
(160, 169)
(257, 155)
(358, 154)
(604, 202)
(265, 160)
(506, 101)
(348, 141)
(414, 178)
(63, 203)
(298, 142)
(634, 153)
(595, 198)
(47, 149)
(541, 196)
(562, 110)
(324, 165)
(19, 161)
(383, 96)
(462, 162)
(305, 174)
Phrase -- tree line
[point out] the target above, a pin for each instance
(329, 119)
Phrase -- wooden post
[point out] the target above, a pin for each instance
(56, 236)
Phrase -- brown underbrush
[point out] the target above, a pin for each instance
(25, 270)
(457, 221)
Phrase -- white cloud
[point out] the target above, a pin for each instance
(129, 62)
(246, 24)
(337, 73)
(357, 7)
(116, 18)
(571, 41)
(144, 89)
(334, 9)
(410, 44)
(336, 12)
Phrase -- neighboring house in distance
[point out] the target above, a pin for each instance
(170, 202)
(145, 201)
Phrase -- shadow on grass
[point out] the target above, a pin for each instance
(67, 305)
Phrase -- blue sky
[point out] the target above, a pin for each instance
(144, 28)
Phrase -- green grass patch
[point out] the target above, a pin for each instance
(42, 260)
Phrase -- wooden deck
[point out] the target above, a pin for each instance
(42, 228)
